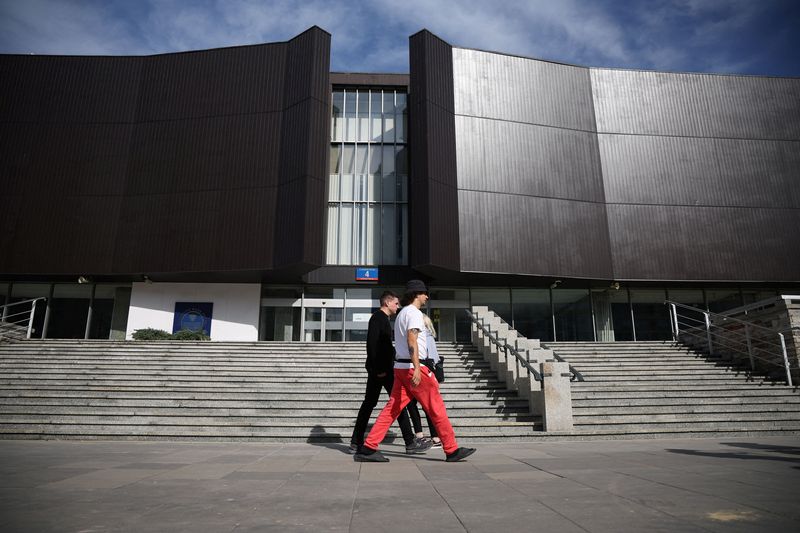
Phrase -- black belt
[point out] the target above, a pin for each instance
(409, 360)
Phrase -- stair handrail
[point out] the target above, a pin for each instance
(502, 344)
(696, 328)
(10, 321)
(574, 374)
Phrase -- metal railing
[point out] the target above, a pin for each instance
(521, 360)
(730, 337)
(17, 317)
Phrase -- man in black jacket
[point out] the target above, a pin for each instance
(380, 375)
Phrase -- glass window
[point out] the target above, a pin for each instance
(401, 118)
(572, 313)
(375, 159)
(337, 113)
(69, 310)
(279, 324)
(363, 185)
(388, 160)
(376, 99)
(333, 234)
(389, 232)
(650, 315)
(361, 159)
(532, 313)
(720, 300)
(350, 115)
(357, 323)
(498, 300)
(363, 116)
(346, 235)
(333, 324)
(750, 296)
(346, 187)
(621, 315)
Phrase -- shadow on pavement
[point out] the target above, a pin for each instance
(766, 452)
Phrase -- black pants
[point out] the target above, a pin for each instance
(413, 411)
(373, 392)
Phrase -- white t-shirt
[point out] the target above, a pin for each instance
(408, 318)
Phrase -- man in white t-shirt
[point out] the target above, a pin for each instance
(412, 380)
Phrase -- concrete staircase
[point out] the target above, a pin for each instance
(224, 391)
(661, 389)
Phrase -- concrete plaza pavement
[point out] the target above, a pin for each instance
(736, 484)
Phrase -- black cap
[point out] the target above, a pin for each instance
(416, 285)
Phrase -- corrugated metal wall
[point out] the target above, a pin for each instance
(701, 174)
(530, 184)
(567, 171)
(169, 163)
(433, 205)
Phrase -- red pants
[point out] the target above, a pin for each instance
(427, 394)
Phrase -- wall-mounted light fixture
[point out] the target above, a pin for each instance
(615, 285)
(84, 279)
(555, 284)
(147, 279)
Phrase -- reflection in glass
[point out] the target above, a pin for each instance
(572, 314)
(650, 315)
(621, 315)
(498, 300)
(532, 313)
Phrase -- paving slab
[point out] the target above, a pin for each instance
(720, 485)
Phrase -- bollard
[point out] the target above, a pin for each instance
(557, 397)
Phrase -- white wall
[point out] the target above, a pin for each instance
(234, 317)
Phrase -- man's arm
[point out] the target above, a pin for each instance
(414, 355)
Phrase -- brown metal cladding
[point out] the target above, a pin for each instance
(168, 163)
(433, 217)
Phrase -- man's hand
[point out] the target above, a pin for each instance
(416, 377)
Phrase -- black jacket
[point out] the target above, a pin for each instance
(380, 351)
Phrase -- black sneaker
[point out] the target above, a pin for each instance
(418, 446)
(460, 454)
(365, 455)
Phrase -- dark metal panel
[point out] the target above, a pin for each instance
(517, 158)
(519, 89)
(698, 105)
(225, 81)
(299, 226)
(695, 171)
(196, 231)
(514, 234)
(68, 89)
(433, 205)
(704, 243)
(362, 79)
(215, 153)
(190, 184)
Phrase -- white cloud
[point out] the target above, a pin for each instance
(373, 35)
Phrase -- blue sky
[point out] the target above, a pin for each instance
(725, 36)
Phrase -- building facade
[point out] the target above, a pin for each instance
(253, 185)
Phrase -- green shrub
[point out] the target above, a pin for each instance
(188, 335)
(151, 334)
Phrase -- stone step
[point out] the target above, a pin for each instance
(699, 426)
(679, 418)
(227, 433)
(300, 412)
(732, 402)
(720, 408)
(243, 394)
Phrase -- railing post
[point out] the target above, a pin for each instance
(708, 333)
(786, 360)
(676, 333)
(749, 347)
(30, 319)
